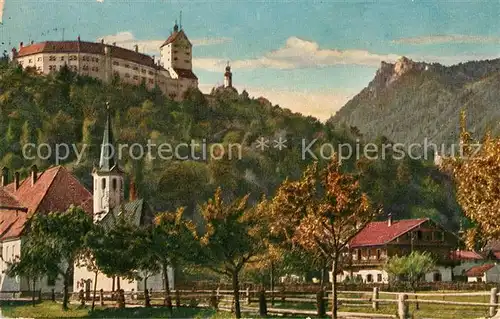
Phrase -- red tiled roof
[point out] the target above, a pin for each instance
(7, 200)
(185, 73)
(173, 37)
(12, 223)
(465, 255)
(380, 233)
(478, 271)
(55, 189)
(85, 47)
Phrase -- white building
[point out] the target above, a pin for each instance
(106, 62)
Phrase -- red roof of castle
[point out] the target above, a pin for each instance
(55, 189)
(477, 271)
(85, 47)
(380, 233)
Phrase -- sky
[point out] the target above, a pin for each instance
(306, 55)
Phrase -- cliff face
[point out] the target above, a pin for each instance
(410, 101)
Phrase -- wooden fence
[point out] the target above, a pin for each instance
(283, 302)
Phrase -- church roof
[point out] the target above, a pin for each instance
(136, 212)
(108, 158)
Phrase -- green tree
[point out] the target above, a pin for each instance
(232, 237)
(54, 241)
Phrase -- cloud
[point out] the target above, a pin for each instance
(299, 53)
(450, 38)
(321, 104)
(127, 40)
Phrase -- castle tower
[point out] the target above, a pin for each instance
(176, 52)
(228, 77)
(107, 177)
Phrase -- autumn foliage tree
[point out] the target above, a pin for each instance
(232, 237)
(322, 212)
(477, 172)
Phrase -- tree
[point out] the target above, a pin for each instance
(476, 176)
(171, 241)
(115, 247)
(233, 236)
(410, 269)
(52, 244)
(322, 212)
(87, 260)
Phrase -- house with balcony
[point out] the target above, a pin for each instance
(370, 250)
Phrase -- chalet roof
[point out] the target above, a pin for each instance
(478, 271)
(380, 233)
(85, 47)
(55, 189)
(465, 255)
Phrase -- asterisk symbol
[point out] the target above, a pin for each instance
(280, 143)
(262, 143)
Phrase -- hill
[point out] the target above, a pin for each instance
(65, 108)
(409, 101)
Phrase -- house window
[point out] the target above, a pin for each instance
(114, 184)
(103, 183)
(143, 71)
(369, 278)
(378, 253)
(479, 279)
(151, 81)
(30, 61)
(52, 58)
(379, 277)
(40, 59)
(419, 235)
(437, 277)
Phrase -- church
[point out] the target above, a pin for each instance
(108, 204)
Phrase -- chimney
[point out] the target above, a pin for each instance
(102, 41)
(78, 38)
(5, 176)
(34, 174)
(32, 42)
(136, 48)
(389, 220)
(16, 181)
(132, 191)
(21, 44)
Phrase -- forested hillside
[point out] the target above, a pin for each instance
(410, 101)
(64, 108)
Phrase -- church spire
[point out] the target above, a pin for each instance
(107, 159)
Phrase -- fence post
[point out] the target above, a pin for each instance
(177, 298)
(375, 298)
(403, 309)
(320, 303)
(262, 303)
(101, 297)
(53, 295)
(39, 295)
(81, 296)
(248, 296)
(493, 300)
(147, 301)
(213, 300)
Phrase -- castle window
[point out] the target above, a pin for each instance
(115, 185)
(187, 61)
(379, 277)
(150, 73)
(40, 59)
(175, 59)
(62, 58)
(378, 254)
(127, 66)
(103, 183)
(136, 68)
(151, 81)
(97, 60)
(116, 63)
(30, 61)
(136, 77)
(127, 75)
(143, 71)
(52, 58)
(175, 51)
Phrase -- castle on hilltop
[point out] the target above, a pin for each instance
(173, 73)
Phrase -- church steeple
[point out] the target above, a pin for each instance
(108, 177)
(107, 160)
